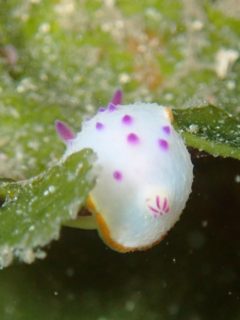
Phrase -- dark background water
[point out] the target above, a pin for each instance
(193, 274)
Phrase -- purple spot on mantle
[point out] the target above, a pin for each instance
(133, 138)
(127, 119)
(101, 109)
(99, 126)
(112, 107)
(117, 175)
(163, 144)
(167, 129)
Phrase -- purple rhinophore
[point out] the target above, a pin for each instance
(64, 132)
(166, 129)
(117, 175)
(99, 126)
(127, 119)
(117, 97)
(163, 144)
(132, 138)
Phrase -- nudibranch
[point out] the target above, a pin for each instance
(145, 172)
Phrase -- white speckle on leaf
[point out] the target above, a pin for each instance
(51, 189)
(193, 128)
(31, 228)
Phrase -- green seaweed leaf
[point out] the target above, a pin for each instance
(33, 211)
(210, 129)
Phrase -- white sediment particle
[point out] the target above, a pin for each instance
(130, 305)
(27, 255)
(70, 272)
(19, 212)
(6, 256)
(109, 3)
(34, 145)
(73, 208)
(10, 54)
(229, 8)
(153, 13)
(231, 85)
(197, 25)
(40, 254)
(38, 128)
(90, 108)
(26, 85)
(44, 27)
(204, 223)
(225, 58)
(70, 176)
(46, 139)
(13, 112)
(168, 96)
(65, 7)
(173, 309)
(237, 178)
(124, 78)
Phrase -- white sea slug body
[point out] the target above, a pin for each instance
(145, 172)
